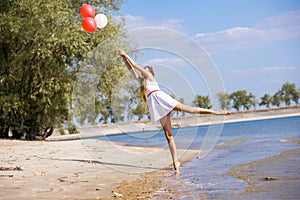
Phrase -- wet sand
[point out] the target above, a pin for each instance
(148, 186)
(276, 177)
(61, 168)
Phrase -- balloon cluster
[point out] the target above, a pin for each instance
(89, 22)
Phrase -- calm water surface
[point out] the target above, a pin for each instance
(239, 143)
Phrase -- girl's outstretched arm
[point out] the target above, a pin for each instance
(131, 64)
(131, 69)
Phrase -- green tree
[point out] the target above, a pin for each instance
(131, 99)
(296, 96)
(250, 101)
(127, 98)
(266, 100)
(289, 92)
(239, 98)
(141, 110)
(42, 44)
(224, 100)
(277, 99)
(105, 91)
(202, 102)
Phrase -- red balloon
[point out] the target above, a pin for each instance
(87, 11)
(89, 24)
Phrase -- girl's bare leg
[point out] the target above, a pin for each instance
(189, 109)
(166, 124)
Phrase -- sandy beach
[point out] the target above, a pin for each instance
(64, 168)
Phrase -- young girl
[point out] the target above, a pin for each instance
(161, 104)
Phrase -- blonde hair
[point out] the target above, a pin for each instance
(144, 90)
(144, 85)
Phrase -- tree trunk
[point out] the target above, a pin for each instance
(32, 134)
(4, 132)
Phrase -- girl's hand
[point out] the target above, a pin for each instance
(122, 53)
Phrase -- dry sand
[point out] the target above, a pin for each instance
(65, 169)
(54, 170)
(68, 170)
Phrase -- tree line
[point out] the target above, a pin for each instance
(241, 99)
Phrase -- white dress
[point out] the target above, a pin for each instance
(160, 104)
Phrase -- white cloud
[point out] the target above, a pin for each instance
(167, 61)
(260, 80)
(140, 21)
(243, 71)
(287, 19)
(277, 68)
(265, 70)
(276, 28)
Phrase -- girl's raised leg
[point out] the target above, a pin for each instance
(189, 109)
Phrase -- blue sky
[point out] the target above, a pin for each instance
(255, 44)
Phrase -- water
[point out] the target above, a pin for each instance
(259, 129)
(239, 143)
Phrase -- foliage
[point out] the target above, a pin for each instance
(202, 101)
(141, 110)
(250, 101)
(241, 98)
(238, 98)
(97, 101)
(266, 100)
(277, 99)
(42, 44)
(224, 100)
(289, 92)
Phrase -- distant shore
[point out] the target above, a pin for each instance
(180, 122)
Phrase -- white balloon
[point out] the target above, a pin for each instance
(101, 20)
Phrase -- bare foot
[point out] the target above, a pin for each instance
(176, 167)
